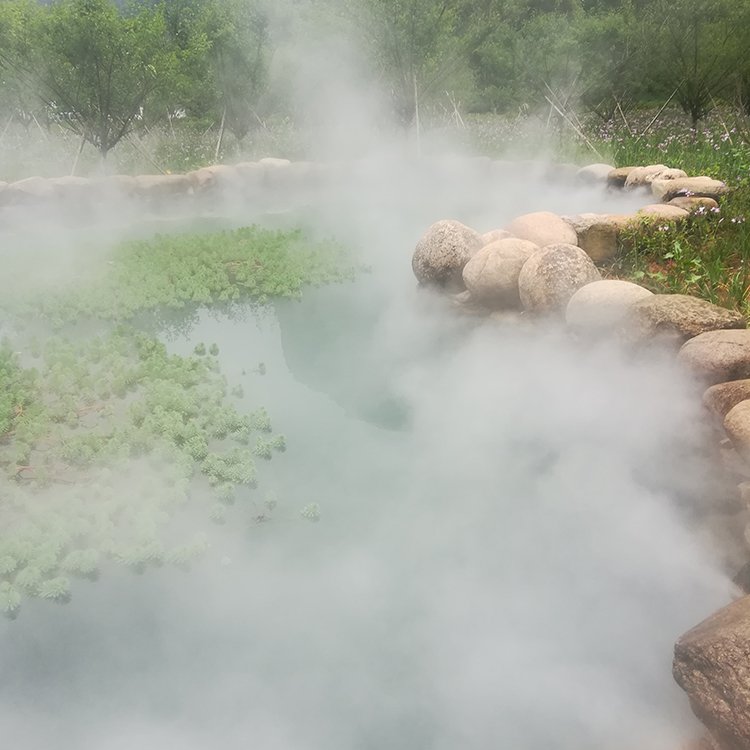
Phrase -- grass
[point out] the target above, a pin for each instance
(707, 256)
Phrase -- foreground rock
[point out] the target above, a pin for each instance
(552, 275)
(543, 228)
(443, 251)
(712, 665)
(673, 318)
(491, 275)
(602, 305)
(737, 427)
(718, 356)
(666, 190)
(719, 399)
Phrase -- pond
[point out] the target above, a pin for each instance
(503, 558)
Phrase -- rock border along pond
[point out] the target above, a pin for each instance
(539, 265)
(545, 265)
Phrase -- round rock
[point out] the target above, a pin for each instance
(491, 276)
(594, 174)
(552, 275)
(495, 234)
(543, 228)
(737, 427)
(711, 666)
(721, 398)
(718, 356)
(602, 305)
(443, 251)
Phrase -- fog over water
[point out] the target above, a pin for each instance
(506, 550)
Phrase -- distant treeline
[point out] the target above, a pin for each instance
(104, 69)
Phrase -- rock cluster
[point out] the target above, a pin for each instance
(547, 267)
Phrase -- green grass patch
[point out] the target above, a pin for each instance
(707, 256)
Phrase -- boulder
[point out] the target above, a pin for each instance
(163, 185)
(272, 161)
(594, 174)
(712, 665)
(663, 212)
(644, 176)
(116, 186)
(443, 251)
(495, 234)
(214, 177)
(596, 234)
(737, 427)
(491, 275)
(665, 190)
(673, 318)
(543, 228)
(30, 190)
(601, 305)
(72, 187)
(718, 356)
(721, 398)
(552, 275)
(617, 177)
(693, 203)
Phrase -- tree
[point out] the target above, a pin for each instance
(19, 24)
(96, 68)
(692, 50)
(416, 46)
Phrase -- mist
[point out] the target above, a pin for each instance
(513, 522)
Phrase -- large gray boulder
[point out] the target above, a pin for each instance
(29, 190)
(718, 356)
(597, 234)
(495, 234)
(721, 398)
(594, 174)
(163, 185)
(712, 665)
(443, 251)
(617, 177)
(543, 228)
(737, 427)
(665, 190)
(694, 203)
(644, 176)
(491, 276)
(674, 318)
(552, 275)
(663, 212)
(602, 305)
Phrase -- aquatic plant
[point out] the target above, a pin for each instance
(103, 442)
(177, 271)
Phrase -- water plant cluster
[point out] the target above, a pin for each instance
(179, 271)
(113, 450)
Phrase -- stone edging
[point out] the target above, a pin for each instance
(542, 264)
